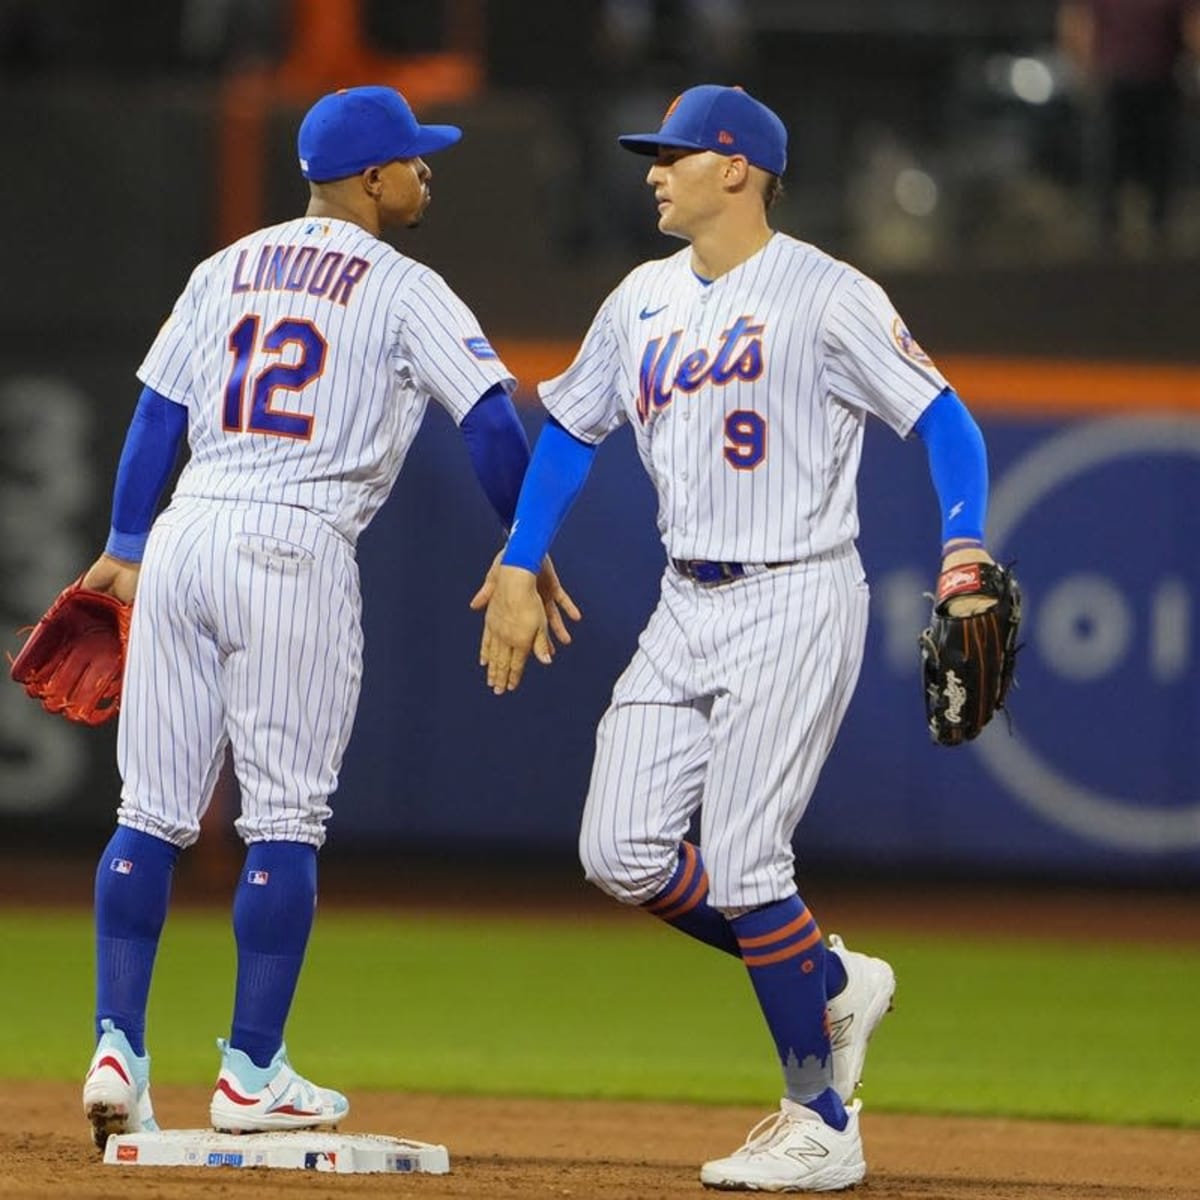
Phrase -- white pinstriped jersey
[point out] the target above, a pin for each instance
(306, 354)
(747, 395)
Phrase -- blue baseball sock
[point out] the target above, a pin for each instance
(683, 903)
(133, 889)
(272, 917)
(783, 951)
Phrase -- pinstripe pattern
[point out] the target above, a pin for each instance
(830, 357)
(246, 631)
(735, 694)
(731, 700)
(399, 339)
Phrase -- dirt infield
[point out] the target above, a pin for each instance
(512, 1149)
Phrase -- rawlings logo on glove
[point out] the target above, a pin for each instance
(74, 659)
(967, 660)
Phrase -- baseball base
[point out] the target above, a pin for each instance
(338, 1153)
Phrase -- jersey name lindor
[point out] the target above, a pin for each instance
(291, 268)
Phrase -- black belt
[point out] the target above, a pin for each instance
(701, 570)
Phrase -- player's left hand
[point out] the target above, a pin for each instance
(113, 576)
(556, 600)
(967, 606)
(969, 649)
(514, 625)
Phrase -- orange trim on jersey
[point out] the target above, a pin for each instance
(765, 960)
(778, 935)
(1019, 386)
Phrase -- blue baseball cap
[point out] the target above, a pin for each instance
(725, 120)
(356, 128)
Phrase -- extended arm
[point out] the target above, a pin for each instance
(515, 622)
(498, 449)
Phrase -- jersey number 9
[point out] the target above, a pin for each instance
(745, 439)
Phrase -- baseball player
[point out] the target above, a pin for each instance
(300, 361)
(747, 364)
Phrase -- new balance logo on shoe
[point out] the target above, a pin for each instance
(812, 1149)
(839, 1031)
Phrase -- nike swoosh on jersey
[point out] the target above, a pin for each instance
(647, 313)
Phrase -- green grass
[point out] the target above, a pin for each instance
(630, 1009)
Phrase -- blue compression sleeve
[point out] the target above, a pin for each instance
(151, 446)
(498, 448)
(556, 474)
(957, 465)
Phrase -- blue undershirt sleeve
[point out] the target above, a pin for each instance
(957, 465)
(556, 475)
(149, 454)
(498, 449)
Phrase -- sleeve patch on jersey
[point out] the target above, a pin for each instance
(908, 345)
(480, 347)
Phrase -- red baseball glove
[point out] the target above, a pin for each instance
(74, 658)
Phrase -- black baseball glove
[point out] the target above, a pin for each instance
(967, 661)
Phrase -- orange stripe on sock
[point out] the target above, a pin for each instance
(765, 960)
(680, 889)
(687, 905)
(765, 939)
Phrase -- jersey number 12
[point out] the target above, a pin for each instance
(276, 376)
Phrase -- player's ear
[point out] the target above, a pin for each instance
(372, 181)
(737, 171)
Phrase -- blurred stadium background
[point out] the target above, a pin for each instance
(957, 150)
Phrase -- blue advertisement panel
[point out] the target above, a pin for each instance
(1096, 774)
(1097, 771)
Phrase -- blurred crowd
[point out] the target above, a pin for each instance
(935, 131)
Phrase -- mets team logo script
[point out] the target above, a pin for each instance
(738, 355)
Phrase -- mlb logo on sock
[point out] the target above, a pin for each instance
(122, 866)
(259, 877)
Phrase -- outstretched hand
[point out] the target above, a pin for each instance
(523, 610)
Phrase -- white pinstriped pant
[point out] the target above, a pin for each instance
(246, 631)
(731, 705)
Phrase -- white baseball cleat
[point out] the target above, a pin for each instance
(855, 1013)
(793, 1150)
(253, 1099)
(116, 1089)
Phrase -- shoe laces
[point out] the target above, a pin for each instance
(768, 1132)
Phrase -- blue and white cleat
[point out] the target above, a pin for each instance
(116, 1089)
(253, 1099)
